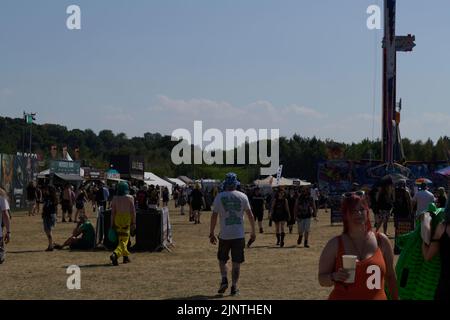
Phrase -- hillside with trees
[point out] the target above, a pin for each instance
(298, 155)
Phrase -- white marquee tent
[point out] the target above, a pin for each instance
(153, 179)
(177, 181)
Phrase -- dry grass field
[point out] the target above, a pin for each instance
(189, 272)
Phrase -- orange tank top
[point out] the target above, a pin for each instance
(363, 288)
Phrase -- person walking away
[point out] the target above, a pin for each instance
(80, 203)
(153, 197)
(165, 197)
(304, 209)
(31, 198)
(441, 200)
(440, 244)
(123, 221)
(197, 200)
(374, 257)
(422, 199)
(39, 199)
(292, 198)
(315, 197)
(402, 211)
(269, 198)
(68, 198)
(229, 207)
(49, 214)
(385, 204)
(257, 205)
(280, 215)
(5, 223)
(142, 198)
(175, 196)
(182, 201)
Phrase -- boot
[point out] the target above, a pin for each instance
(290, 229)
(306, 244)
(282, 240)
(299, 241)
(278, 239)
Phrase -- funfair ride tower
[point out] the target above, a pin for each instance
(392, 151)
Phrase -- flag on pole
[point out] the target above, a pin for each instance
(280, 169)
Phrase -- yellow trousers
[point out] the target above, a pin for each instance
(122, 222)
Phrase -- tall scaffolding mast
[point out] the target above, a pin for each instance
(392, 150)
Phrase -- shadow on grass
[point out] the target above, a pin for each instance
(257, 247)
(199, 297)
(25, 251)
(87, 266)
(281, 248)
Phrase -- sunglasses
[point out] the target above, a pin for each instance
(360, 193)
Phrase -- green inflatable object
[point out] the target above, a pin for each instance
(417, 279)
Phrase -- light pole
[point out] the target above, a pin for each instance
(29, 118)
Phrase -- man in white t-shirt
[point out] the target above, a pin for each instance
(4, 222)
(422, 199)
(230, 206)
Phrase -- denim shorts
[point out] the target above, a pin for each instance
(304, 225)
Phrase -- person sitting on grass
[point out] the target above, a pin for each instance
(83, 237)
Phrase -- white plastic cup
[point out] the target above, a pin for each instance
(349, 264)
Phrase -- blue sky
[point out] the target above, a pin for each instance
(155, 66)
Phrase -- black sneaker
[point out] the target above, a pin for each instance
(261, 230)
(114, 259)
(223, 287)
(234, 291)
(250, 242)
(126, 260)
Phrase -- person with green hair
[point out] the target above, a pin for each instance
(418, 277)
(123, 221)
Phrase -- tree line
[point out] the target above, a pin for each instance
(298, 155)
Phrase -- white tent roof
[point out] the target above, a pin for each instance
(47, 172)
(272, 181)
(177, 181)
(151, 178)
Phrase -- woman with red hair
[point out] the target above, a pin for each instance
(374, 257)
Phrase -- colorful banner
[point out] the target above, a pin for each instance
(167, 228)
(7, 173)
(18, 199)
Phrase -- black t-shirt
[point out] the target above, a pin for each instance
(165, 196)
(49, 206)
(99, 196)
(385, 202)
(196, 197)
(31, 193)
(305, 207)
(257, 203)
